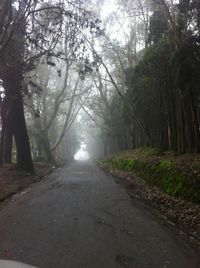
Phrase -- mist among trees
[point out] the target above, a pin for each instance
(75, 72)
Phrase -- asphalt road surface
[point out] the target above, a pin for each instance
(80, 217)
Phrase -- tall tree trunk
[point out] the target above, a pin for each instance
(7, 134)
(7, 146)
(44, 139)
(24, 159)
(15, 119)
(2, 131)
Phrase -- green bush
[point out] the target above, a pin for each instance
(162, 174)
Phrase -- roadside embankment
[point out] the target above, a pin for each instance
(168, 182)
(13, 180)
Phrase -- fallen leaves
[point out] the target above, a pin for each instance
(180, 213)
(13, 180)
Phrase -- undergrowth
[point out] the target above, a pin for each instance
(161, 170)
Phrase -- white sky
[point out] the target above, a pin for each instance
(82, 154)
(114, 29)
(108, 7)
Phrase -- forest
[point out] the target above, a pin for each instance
(100, 133)
(114, 75)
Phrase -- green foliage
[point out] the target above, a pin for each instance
(166, 164)
(158, 26)
(124, 164)
(186, 66)
(144, 81)
(161, 173)
(149, 151)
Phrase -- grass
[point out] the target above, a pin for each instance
(178, 176)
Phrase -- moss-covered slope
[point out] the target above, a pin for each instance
(176, 175)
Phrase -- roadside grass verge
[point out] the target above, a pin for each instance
(176, 175)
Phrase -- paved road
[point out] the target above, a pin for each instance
(79, 217)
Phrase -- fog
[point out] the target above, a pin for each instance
(82, 154)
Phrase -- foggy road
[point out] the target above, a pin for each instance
(79, 217)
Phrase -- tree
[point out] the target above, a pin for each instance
(31, 30)
(11, 72)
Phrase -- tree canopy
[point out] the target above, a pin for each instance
(69, 71)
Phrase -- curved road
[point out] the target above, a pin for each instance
(79, 217)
